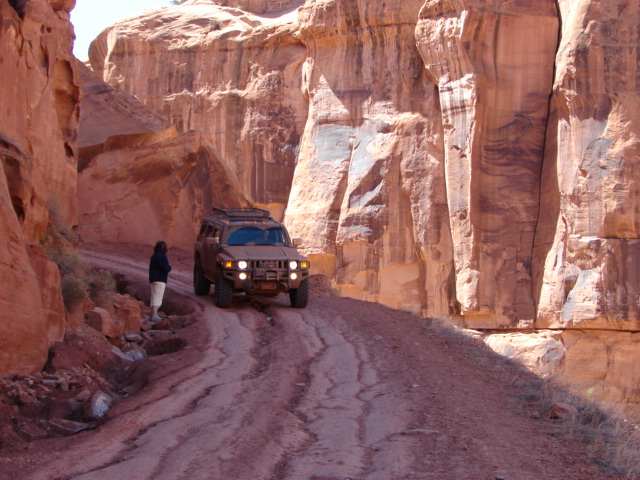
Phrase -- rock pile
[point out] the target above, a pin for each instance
(85, 376)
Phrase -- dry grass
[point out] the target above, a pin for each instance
(612, 441)
(78, 281)
(609, 439)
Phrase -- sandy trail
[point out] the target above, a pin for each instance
(339, 390)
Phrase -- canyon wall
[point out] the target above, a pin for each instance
(587, 249)
(368, 194)
(494, 84)
(464, 159)
(39, 95)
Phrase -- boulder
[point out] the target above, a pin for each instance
(109, 325)
(139, 194)
(127, 310)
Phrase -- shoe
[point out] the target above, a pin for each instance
(155, 318)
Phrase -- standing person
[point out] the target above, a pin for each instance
(159, 269)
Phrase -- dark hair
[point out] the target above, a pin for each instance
(161, 247)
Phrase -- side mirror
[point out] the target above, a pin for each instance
(212, 241)
(297, 242)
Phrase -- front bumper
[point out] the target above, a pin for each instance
(265, 279)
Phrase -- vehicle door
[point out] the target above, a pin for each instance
(210, 250)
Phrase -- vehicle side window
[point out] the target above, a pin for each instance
(207, 230)
(203, 228)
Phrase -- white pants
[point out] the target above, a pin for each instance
(157, 292)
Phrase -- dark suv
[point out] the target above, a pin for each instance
(244, 249)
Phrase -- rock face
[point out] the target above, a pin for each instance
(110, 119)
(140, 180)
(494, 85)
(39, 94)
(232, 75)
(160, 192)
(589, 233)
(368, 195)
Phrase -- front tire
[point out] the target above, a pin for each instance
(201, 285)
(223, 290)
(300, 296)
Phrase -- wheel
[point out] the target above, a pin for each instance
(201, 285)
(300, 296)
(223, 290)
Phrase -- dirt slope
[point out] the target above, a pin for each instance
(340, 390)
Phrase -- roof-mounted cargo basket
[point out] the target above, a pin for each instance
(242, 212)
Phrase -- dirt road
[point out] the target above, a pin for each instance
(339, 390)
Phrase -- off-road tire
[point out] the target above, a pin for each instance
(223, 290)
(201, 285)
(300, 296)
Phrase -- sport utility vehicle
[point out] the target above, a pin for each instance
(244, 249)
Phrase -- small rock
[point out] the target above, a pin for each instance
(50, 382)
(67, 427)
(134, 351)
(121, 355)
(30, 431)
(98, 406)
(83, 396)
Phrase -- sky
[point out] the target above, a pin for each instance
(90, 17)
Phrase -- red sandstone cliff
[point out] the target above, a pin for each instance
(39, 97)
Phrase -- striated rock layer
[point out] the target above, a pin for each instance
(467, 159)
(494, 85)
(368, 194)
(39, 95)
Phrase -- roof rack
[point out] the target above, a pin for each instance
(242, 212)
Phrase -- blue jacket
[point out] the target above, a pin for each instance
(159, 268)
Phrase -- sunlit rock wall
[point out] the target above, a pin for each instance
(494, 83)
(368, 194)
(39, 97)
(589, 252)
(587, 256)
(232, 75)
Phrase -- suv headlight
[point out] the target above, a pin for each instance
(243, 264)
(293, 265)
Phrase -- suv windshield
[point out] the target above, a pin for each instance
(257, 236)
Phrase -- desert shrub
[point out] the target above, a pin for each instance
(101, 285)
(79, 281)
(70, 264)
(73, 291)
